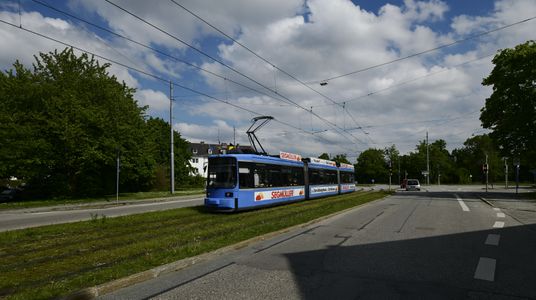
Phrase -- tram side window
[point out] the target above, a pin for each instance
(347, 177)
(331, 176)
(254, 175)
(314, 176)
(246, 178)
(317, 176)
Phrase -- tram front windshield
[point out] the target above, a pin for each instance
(221, 172)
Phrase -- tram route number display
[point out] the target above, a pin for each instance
(278, 194)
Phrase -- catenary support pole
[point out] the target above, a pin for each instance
(427, 161)
(172, 156)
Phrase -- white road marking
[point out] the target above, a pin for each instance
(485, 269)
(498, 224)
(493, 239)
(500, 215)
(462, 204)
(496, 209)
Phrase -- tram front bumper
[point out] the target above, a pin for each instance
(220, 203)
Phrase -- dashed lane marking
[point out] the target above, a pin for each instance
(462, 204)
(496, 209)
(500, 215)
(493, 239)
(498, 224)
(485, 269)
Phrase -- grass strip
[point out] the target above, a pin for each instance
(69, 257)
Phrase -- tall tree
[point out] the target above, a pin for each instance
(64, 123)
(472, 156)
(324, 156)
(341, 158)
(510, 111)
(370, 165)
(158, 133)
(392, 155)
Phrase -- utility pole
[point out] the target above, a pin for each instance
(487, 172)
(234, 135)
(505, 172)
(118, 166)
(390, 173)
(172, 156)
(399, 169)
(427, 161)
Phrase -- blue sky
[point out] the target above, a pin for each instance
(439, 92)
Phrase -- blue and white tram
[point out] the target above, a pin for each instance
(321, 178)
(346, 178)
(246, 181)
(243, 181)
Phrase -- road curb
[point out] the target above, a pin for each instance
(109, 287)
(486, 201)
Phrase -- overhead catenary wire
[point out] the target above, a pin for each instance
(157, 77)
(429, 50)
(406, 82)
(334, 125)
(163, 53)
(261, 57)
(283, 99)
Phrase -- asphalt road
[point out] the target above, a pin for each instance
(443, 244)
(25, 218)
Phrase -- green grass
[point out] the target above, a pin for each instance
(48, 262)
(107, 199)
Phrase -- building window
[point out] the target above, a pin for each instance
(194, 151)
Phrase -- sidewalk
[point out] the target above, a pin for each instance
(97, 204)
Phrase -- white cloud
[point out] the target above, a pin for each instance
(335, 37)
(12, 39)
(341, 37)
(156, 100)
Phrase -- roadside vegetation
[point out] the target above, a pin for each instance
(51, 261)
(64, 123)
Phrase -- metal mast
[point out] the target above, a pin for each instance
(172, 155)
(427, 161)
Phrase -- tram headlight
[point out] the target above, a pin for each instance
(229, 194)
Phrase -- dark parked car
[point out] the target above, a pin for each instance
(10, 195)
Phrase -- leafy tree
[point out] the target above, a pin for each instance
(64, 123)
(472, 156)
(341, 158)
(392, 157)
(324, 156)
(510, 111)
(158, 133)
(370, 165)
